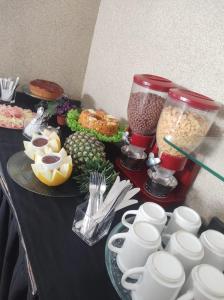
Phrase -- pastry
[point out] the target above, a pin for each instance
(99, 121)
(45, 89)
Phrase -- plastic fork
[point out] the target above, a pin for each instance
(102, 189)
(93, 190)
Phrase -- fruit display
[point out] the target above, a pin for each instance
(41, 144)
(73, 121)
(53, 169)
(104, 167)
(84, 148)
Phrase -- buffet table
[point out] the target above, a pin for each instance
(40, 256)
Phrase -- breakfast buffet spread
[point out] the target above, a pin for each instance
(150, 254)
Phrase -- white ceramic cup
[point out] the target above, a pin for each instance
(185, 218)
(149, 212)
(160, 279)
(54, 165)
(213, 242)
(204, 283)
(140, 241)
(187, 248)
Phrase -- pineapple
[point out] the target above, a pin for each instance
(104, 167)
(84, 148)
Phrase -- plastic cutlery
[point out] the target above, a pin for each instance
(125, 204)
(131, 194)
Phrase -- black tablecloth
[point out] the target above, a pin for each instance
(14, 281)
(63, 266)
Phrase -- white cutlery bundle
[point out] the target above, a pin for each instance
(94, 217)
(8, 87)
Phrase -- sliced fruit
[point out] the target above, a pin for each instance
(63, 153)
(38, 158)
(66, 169)
(30, 154)
(54, 144)
(54, 135)
(67, 160)
(52, 178)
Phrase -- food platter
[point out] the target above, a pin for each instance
(27, 91)
(13, 117)
(111, 263)
(19, 169)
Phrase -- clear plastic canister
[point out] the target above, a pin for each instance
(185, 120)
(146, 102)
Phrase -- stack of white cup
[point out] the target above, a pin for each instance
(161, 273)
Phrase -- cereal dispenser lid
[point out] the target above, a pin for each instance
(194, 99)
(154, 82)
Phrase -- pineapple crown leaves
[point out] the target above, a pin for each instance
(101, 166)
(74, 125)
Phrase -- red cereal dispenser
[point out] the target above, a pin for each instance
(146, 102)
(185, 121)
(180, 116)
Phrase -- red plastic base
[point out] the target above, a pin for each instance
(176, 197)
(143, 141)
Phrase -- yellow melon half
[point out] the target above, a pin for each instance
(54, 177)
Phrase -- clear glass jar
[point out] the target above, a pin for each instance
(146, 102)
(185, 120)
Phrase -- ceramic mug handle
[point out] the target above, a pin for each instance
(129, 285)
(169, 214)
(189, 295)
(124, 221)
(113, 238)
(164, 235)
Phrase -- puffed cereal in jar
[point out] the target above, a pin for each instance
(185, 120)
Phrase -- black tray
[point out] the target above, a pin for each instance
(19, 169)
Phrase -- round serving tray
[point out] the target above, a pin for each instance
(111, 263)
(27, 91)
(19, 169)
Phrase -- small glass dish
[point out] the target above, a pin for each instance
(87, 228)
(10, 100)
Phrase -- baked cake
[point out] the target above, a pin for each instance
(46, 89)
(99, 121)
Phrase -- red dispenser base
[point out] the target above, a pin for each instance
(176, 197)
